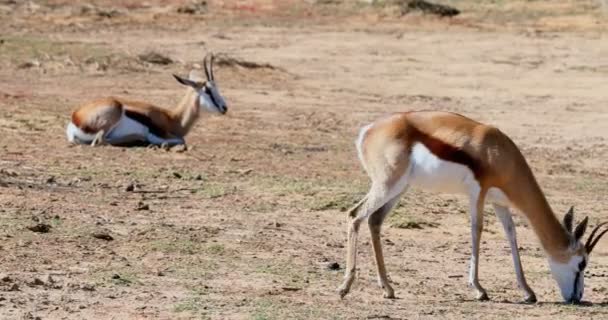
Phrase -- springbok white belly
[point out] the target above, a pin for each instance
(126, 127)
(431, 173)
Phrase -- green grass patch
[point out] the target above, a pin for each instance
(270, 309)
(26, 48)
(186, 246)
(179, 246)
(195, 303)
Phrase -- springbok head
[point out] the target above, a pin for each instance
(569, 269)
(208, 92)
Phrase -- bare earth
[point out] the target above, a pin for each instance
(246, 223)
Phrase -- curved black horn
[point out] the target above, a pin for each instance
(207, 73)
(592, 242)
(211, 66)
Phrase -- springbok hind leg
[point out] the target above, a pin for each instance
(355, 218)
(377, 197)
(375, 224)
(99, 138)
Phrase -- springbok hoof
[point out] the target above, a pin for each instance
(482, 296)
(530, 298)
(390, 294)
(343, 291)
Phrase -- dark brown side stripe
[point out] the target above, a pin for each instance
(154, 129)
(447, 151)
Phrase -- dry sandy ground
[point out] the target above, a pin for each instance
(245, 223)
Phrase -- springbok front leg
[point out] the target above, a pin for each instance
(156, 140)
(375, 224)
(504, 215)
(476, 208)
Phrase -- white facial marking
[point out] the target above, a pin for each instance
(206, 103)
(210, 99)
(565, 275)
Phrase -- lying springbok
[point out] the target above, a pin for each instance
(117, 121)
(447, 152)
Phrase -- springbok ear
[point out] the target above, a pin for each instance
(580, 229)
(186, 82)
(568, 219)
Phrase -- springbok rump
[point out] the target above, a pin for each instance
(118, 121)
(447, 152)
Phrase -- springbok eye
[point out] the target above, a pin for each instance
(582, 265)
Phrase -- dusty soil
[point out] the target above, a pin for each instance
(246, 223)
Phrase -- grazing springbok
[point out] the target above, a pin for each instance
(117, 121)
(447, 152)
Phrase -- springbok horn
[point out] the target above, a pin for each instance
(211, 66)
(205, 62)
(592, 242)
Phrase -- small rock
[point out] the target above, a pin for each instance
(6, 279)
(177, 175)
(142, 206)
(155, 58)
(333, 266)
(103, 235)
(179, 148)
(29, 64)
(50, 180)
(14, 287)
(9, 173)
(291, 289)
(198, 7)
(108, 13)
(245, 172)
(87, 287)
(40, 228)
(37, 282)
(130, 187)
(198, 177)
(116, 276)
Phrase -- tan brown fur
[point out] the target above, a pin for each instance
(97, 115)
(104, 113)
(496, 162)
(385, 149)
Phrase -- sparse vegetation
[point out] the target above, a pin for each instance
(248, 222)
